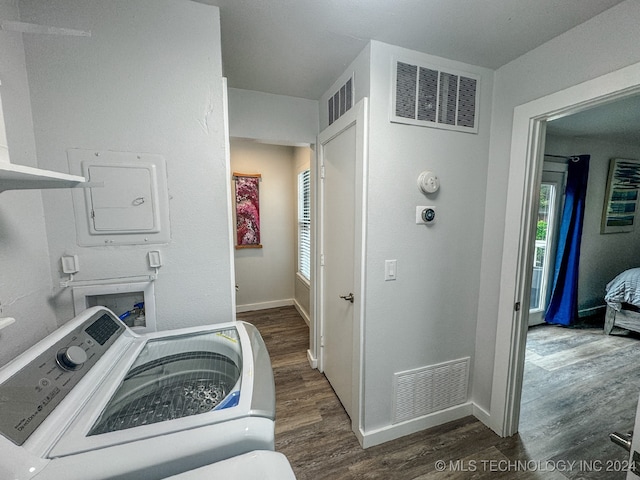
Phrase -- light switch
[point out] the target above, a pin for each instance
(390, 270)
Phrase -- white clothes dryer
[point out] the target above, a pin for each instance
(94, 400)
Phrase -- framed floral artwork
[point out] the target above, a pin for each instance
(247, 197)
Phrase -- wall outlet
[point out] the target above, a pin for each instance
(70, 264)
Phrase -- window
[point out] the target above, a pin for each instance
(304, 224)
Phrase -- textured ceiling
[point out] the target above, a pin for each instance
(299, 47)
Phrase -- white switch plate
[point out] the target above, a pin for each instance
(155, 260)
(390, 270)
(70, 264)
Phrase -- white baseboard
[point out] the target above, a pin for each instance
(482, 415)
(586, 312)
(249, 307)
(303, 313)
(392, 432)
(313, 361)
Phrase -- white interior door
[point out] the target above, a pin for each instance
(339, 214)
(341, 197)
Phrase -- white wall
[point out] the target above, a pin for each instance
(278, 119)
(598, 46)
(265, 276)
(149, 79)
(25, 283)
(602, 256)
(427, 315)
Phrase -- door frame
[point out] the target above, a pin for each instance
(357, 116)
(525, 172)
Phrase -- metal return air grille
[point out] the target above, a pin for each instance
(172, 387)
(429, 97)
(430, 389)
(341, 101)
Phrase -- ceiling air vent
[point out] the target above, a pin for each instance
(426, 96)
(341, 101)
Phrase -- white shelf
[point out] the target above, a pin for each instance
(20, 177)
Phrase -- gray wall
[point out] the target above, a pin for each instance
(25, 283)
(149, 79)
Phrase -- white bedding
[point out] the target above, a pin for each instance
(624, 288)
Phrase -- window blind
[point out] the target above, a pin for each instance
(304, 224)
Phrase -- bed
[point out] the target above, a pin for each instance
(623, 302)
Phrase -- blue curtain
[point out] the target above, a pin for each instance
(563, 306)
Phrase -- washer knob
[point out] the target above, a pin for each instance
(71, 358)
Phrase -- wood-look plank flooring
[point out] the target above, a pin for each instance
(580, 385)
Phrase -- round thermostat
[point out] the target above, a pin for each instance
(428, 182)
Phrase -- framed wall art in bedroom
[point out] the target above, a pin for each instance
(621, 198)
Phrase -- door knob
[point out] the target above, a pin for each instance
(348, 298)
(622, 439)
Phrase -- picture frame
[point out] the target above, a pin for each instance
(247, 201)
(619, 214)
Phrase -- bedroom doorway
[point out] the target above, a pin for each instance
(527, 151)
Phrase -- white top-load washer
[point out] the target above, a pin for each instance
(259, 465)
(94, 400)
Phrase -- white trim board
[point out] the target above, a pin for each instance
(250, 307)
(392, 432)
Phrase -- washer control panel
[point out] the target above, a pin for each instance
(31, 394)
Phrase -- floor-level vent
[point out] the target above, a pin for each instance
(341, 101)
(427, 96)
(429, 389)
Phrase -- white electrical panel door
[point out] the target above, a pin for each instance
(127, 202)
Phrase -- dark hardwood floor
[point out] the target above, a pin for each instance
(580, 385)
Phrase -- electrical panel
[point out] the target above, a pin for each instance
(127, 203)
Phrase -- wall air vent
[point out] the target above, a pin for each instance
(429, 389)
(341, 101)
(426, 96)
